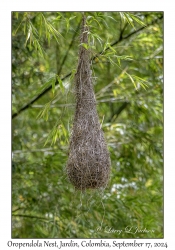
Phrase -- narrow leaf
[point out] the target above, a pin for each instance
(132, 80)
(60, 83)
(53, 86)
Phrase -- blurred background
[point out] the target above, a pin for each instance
(127, 69)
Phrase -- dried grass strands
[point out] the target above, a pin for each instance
(88, 164)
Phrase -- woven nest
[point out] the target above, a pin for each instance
(88, 164)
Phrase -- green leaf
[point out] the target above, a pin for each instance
(102, 17)
(51, 29)
(44, 113)
(53, 135)
(58, 17)
(111, 48)
(127, 58)
(137, 20)
(71, 18)
(28, 35)
(14, 32)
(45, 85)
(132, 80)
(115, 92)
(72, 74)
(97, 22)
(53, 85)
(68, 22)
(85, 45)
(16, 14)
(64, 130)
(129, 20)
(60, 83)
(122, 17)
(89, 17)
(39, 48)
(141, 81)
(97, 37)
(112, 18)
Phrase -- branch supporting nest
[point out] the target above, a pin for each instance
(88, 164)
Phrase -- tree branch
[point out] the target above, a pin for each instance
(67, 52)
(29, 216)
(121, 108)
(17, 209)
(118, 111)
(121, 38)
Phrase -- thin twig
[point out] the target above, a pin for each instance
(17, 209)
(67, 52)
(29, 216)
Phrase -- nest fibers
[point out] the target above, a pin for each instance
(88, 164)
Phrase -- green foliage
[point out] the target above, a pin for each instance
(130, 18)
(127, 65)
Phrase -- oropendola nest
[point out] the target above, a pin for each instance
(88, 164)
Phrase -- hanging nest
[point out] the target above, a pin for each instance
(88, 164)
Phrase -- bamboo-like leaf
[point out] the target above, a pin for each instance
(85, 45)
(45, 85)
(34, 30)
(60, 83)
(71, 18)
(141, 81)
(111, 48)
(28, 35)
(102, 17)
(127, 58)
(33, 36)
(105, 46)
(55, 137)
(72, 74)
(132, 80)
(97, 22)
(39, 47)
(40, 26)
(53, 85)
(14, 33)
(51, 29)
(129, 20)
(16, 14)
(112, 18)
(57, 132)
(52, 135)
(122, 17)
(44, 113)
(98, 38)
(68, 22)
(64, 130)
(58, 17)
(137, 19)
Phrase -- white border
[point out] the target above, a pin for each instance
(5, 98)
